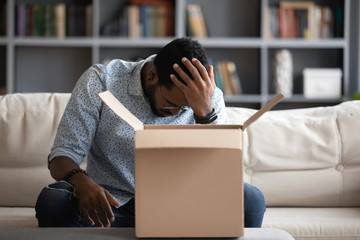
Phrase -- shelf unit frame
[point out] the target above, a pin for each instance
(97, 43)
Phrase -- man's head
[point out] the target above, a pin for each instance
(165, 98)
(173, 53)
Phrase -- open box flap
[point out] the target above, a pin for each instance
(120, 110)
(263, 110)
(134, 122)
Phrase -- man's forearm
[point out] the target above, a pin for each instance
(60, 166)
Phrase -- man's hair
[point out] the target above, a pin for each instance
(173, 53)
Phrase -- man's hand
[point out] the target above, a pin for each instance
(198, 90)
(94, 201)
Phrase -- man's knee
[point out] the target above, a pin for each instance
(54, 193)
(253, 195)
(56, 202)
(254, 203)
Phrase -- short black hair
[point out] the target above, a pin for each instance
(172, 53)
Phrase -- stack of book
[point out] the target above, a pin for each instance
(59, 20)
(302, 19)
(227, 78)
(143, 18)
(3, 20)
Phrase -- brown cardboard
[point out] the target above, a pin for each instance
(189, 178)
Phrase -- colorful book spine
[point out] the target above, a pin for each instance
(227, 78)
(196, 21)
(21, 20)
(303, 19)
(142, 18)
(53, 20)
(60, 20)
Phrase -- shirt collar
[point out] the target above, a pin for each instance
(135, 87)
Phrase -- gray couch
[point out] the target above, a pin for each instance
(306, 162)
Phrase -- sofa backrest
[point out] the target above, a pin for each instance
(304, 157)
(28, 123)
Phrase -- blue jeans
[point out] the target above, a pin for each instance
(57, 206)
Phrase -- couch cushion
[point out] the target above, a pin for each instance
(304, 157)
(17, 217)
(349, 129)
(28, 123)
(315, 223)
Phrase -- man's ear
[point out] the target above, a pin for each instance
(152, 76)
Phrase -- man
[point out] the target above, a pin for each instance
(176, 86)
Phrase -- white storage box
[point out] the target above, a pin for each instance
(322, 82)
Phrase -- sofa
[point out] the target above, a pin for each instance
(305, 161)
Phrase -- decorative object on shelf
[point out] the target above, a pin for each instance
(322, 82)
(283, 72)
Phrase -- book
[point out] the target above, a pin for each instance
(339, 22)
(227, 78)
(267, 24)
(21, 19)
(274, 23)
(3, 18)
(283, 22)
(218, 78)
(60, 20)
(326, 23)
(149, 23)
(38, 20)
(144, 12)
(30, 20)
(49, 21)
(234, 77)
(196, 22)
(302, 21)
(134, 21)
(161, 21)
(89, 20)
(70, 20)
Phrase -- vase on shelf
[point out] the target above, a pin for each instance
(283, 72)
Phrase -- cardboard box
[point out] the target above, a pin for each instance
(322, 82)
(189, 178)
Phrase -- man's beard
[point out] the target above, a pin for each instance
(150, 94)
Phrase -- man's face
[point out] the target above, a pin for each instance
(166, 102)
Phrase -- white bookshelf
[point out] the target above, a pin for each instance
(236, 32)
